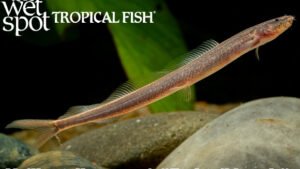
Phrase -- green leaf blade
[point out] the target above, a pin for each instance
(143, 48)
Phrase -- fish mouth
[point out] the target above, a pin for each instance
(279, 25)
(271, 29)
(289, 19)
(286, 22)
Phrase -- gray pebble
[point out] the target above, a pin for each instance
(57, 160)
(13, 152)
(260, 134)
(137, 143)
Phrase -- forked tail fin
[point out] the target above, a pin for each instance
(47, 128)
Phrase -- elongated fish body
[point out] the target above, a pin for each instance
(215, 57)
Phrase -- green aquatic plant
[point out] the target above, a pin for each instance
(143, 48)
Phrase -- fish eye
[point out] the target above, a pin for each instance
(276, 20)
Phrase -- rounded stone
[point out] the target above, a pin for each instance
(140, 142)
(13, 152)
(57, 160)
(260, 134)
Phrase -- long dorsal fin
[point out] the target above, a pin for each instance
(122, 90)
(131, 86)
(190, 56)
(184, 59)
(199, 51)
(78, 109)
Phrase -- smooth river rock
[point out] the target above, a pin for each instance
(13, 152)
(57, 160)
(137, 143)
(261, 134)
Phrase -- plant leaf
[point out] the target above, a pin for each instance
(143, 48)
